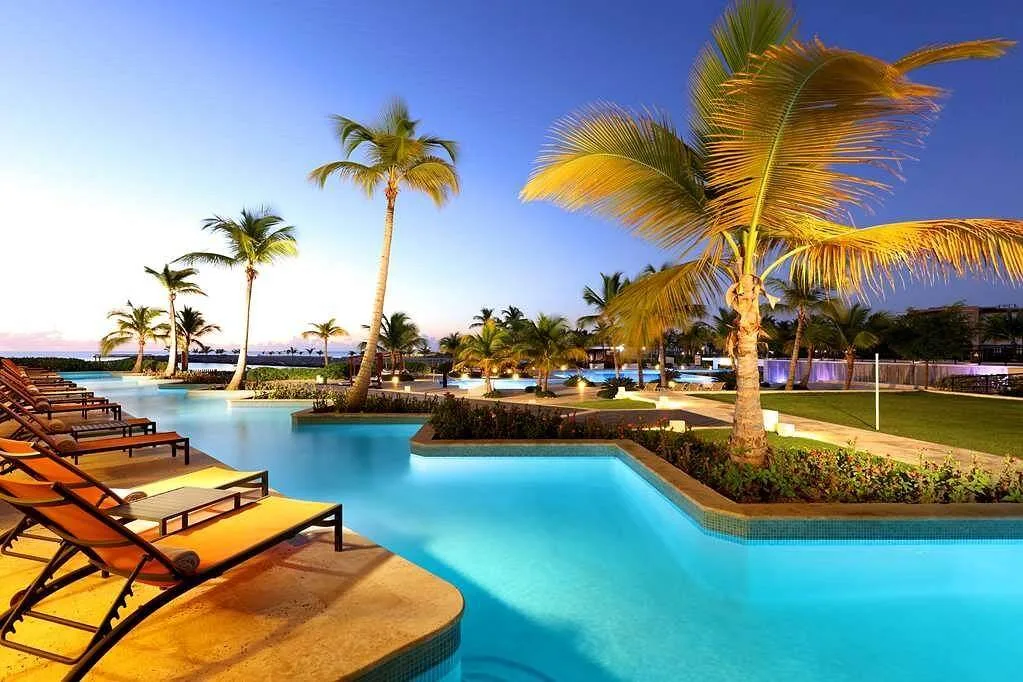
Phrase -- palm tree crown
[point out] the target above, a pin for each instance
(324, 331)
(549, 342)
(399, 335)
(133, 323)
(853, 327)
(785, 138)
(192, 326)
(489, 349)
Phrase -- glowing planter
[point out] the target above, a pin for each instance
(770, 420)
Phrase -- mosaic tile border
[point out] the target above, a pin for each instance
(426, 661)
(760, 523)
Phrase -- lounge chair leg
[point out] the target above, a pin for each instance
(187, 451)
(338, 531)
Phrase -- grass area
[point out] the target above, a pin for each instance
(985, 424)
(625, 404)
(720, 435)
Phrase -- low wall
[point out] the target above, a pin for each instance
(776, 371)
(740, 522)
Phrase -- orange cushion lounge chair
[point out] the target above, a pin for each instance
(176, 563)
(68, 446)
(43, 406)
(45, 391)
(40, 375)
(41, 466)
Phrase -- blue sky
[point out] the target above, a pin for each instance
(127, 123)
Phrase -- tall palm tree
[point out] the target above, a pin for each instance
(449, 344)
(548, 342)
(480, 319)
(396, 157)
(854, 328)
(175, 282)
(192, 326)
(611, 286)
(800, 299)
(133, 323)
(257, 238)
(785, 138)
(399, 335)
(324, 331)
(489, 349)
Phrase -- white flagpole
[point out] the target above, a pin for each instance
(877, 391)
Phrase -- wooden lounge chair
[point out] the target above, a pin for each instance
(45, 467)
(45, 390)
(42, 377)
(68, 446)
(176, 563)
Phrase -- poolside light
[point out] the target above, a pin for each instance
(564, 367)
(394, 379)
(408, 389)
(671, 383)
(770, 420)
(464, 376)
(319, 378)
(515, 376)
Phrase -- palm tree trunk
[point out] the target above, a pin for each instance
(138, 357)
(326, 359)
(805, 382)
(748, 440)
(239, 370)
(796, 341)
(850, 365)
(172, 352)
(357, 396)
(639, 370)
(184, 354)
(618, 366)
(662, 360)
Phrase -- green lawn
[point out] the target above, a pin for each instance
(720, 435)
(624, 404)
(985, 424)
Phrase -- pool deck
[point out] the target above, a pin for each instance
(299, 611)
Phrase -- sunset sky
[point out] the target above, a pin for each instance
(127, 123)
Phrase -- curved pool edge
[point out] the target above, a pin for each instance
(762, 522)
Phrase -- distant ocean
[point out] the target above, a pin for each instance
(79, 354)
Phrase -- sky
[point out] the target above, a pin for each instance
(125, 124)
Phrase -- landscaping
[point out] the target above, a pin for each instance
(796, 471)
(984, 424)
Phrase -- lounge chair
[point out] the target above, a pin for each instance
(45, 467)
(46, 390)
(42, 377)
(44, 406)
(176, 563)
(68, 446)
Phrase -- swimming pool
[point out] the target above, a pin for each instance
(577, 569)
(595, 375)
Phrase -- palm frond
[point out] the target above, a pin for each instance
(625, 166)
(850, 259)
(434, 177)
(795, 128)
(430, 143)
(208, 258)
(746, 29)
(367, 178)
(991, 48)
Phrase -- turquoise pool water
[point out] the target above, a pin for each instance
(577, 569)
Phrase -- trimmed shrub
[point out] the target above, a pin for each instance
(578, 379)
(76, 365)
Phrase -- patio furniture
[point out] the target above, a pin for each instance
(176, 563)
(179, 504)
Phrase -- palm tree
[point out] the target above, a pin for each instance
(132, 323)
(817, 335)
(785, 139)
(449, 344)
(485, 315)
(649, 326)
(798, 298)
(175, 282)
(854, 328)
(549, 342)
(611, 286)
(1007, 326)
(489, 349)
(397, 158)
(399, 335)
(324, 331)
(191, 327)
(258, 238)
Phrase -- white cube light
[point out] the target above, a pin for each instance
(408, 389)
(677, 425)
(786, 430)
(770, 420)
(319, 378)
